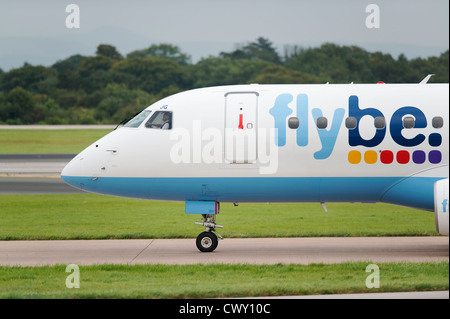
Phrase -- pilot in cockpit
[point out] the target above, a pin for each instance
(167, 121)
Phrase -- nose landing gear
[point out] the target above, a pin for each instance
(208, 240)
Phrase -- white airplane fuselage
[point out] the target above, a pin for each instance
(281, 143)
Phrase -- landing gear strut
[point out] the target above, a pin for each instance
(208, 240)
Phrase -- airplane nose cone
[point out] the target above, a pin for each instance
(74, 173)
(68, 173)
(71, 168)
(65, 170)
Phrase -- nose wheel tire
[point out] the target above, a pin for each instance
(207, 242)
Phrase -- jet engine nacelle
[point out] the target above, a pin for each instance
(441, 206)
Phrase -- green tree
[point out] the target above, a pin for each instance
(90, 65)
(262, 49)
(52, 113)
(153, 74)
(439, 66)
(334, 63)
(3, 111)
(108, 51)
(67, 72)
(119, 103)
(94, 72)
(225, 71)
(20, 106)
(71, 63)
(67, 98)
(28, 77)
(277, 74)
(162, 50)
(106, 88)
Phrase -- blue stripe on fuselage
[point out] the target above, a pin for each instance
(414, 192)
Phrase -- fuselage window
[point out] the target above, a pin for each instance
(138, 119)
(408, 122)
(160, 120)
(437, 122)
(350, 122)
(380, 123)
(293, 123)
(322, 122)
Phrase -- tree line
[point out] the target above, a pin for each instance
(109, 87)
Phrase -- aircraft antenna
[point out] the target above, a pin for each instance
(427, 78)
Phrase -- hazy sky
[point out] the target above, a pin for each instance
(402, 22)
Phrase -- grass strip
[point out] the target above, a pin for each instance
(89, 216)
(48, 141)
(189, 281)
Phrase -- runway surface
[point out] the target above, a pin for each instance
(22, 174)
(246, 250)
(35, 186)
(39, 165)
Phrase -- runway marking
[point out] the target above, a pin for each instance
(141, 252)
(29, 176)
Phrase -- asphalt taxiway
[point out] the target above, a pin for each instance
(230, 250)
(30, 185)
(37, 165)
(22, 174)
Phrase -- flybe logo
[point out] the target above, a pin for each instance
(404, 118)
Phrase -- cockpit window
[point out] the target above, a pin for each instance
(138, 119)
(160, 120)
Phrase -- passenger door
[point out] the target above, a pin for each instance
(241, 127)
